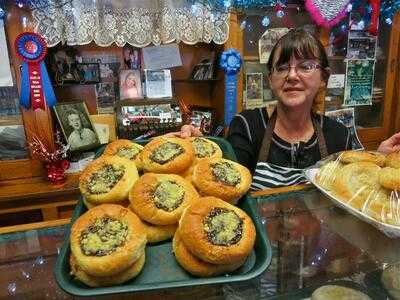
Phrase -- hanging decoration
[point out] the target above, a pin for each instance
(230, 62)
(373, 26)
(327, 13)
(35, 82)
(55, 162)
(389, 9)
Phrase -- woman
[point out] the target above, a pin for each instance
(277, 148)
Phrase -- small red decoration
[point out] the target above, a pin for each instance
(373, 26)
(54, 162)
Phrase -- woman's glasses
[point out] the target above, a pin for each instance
(304, 68)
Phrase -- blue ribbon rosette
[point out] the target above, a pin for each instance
(230, 62)
(36, 88)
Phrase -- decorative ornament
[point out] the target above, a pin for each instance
(230, 62)
(280, 13)
(35, 81)
(373, 25)
(54, 162)
(2, 13)
(243, 24)
(265, 21)
(327, 13)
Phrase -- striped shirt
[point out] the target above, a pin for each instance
(286, 161)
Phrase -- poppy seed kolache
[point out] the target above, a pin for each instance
(161, 198)
(107, 240)
(221, 178)
(125, 148)
(108, 179)
(217, 232)
(168, 155)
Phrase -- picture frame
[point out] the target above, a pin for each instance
(63, 66)
(88, 72)
(158, 83)
(130, 85)
(132, 57)
(76, 125)
(267, 42)
(105, 97)
(203, 118)
(254, 87)
(204, 70)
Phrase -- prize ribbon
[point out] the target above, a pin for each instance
(230, 62)
(35, 82)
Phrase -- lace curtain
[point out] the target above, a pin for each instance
(137, 22)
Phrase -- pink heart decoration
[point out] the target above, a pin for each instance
(327, 13)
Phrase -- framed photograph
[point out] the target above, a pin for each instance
(130, 85)
(76, 125)
(254, 87)
(89, 73)
(63, 66)
(109, 70)
(105, 97)
(268, 41)
(204, 70)
(158, 83)
(202, 117)
(132, 58)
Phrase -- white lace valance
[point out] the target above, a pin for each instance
(137, 22)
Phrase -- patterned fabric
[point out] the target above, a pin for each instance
(136, 22)
(269, 175)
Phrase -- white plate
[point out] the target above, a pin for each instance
(390, 230)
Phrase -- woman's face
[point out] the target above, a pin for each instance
(74, 121)
(296, 89)
(130, 81)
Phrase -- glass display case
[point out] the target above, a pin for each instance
(314, 244)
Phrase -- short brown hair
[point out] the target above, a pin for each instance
(300, 44)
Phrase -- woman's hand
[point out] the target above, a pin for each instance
(390, 145)
(186, 131)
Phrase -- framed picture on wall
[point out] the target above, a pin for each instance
(76, 125)
(89, 73)
(254, 87)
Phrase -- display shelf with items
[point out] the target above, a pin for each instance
(374, 120)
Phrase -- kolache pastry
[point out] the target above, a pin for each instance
(334, 292)
(358, 185)
(108, 240)
(161, 198)
(203, 149)
(126, 149)
(327, 174)
(390, 178)
(158, 233)
(167, 155)
(107, 179)
(116, 279)
(195, 265)
(393, 160)
(216, 232)
(353, 156)
(221, 178)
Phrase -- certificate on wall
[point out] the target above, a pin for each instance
(359, 82)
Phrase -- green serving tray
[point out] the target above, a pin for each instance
(161, 271)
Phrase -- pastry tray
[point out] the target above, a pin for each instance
(161, 271)
(391, 231)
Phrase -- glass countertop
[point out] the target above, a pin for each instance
(314, 243)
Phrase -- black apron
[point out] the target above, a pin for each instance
(269, 175)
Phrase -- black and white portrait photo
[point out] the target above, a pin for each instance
(76, 125)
